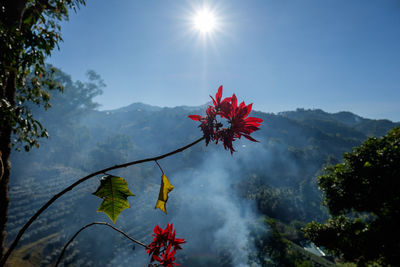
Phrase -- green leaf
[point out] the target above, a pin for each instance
(367, 164)
(114, 191)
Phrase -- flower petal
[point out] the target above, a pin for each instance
(248, 110)
(195, 117)
(250, 138)
(218, 95)
(253, 120)
(234, 102)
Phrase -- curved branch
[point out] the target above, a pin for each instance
(91, 224)
(83, 179)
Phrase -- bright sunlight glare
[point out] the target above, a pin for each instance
(204, 21)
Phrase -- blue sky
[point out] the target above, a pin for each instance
(278, 54)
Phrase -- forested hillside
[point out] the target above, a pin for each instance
(229, 195)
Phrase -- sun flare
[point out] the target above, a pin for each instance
(204, 21)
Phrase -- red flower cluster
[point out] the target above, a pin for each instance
(164, 240)
(239, 124)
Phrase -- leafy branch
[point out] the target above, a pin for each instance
(96, 223)
(83, 179)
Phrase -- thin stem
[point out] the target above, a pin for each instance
(1, 167)
(159, 167)
(91, 224)
(83, 179)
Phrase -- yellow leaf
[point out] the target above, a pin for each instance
(165, 188)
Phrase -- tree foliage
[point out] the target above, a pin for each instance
(363, 197)
(76, 99)
(29, 31)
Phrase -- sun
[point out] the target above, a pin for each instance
(204, 21)
(205, 24)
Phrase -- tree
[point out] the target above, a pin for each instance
(29, 31)
(62, 121)
(363, 197)
(75, 100)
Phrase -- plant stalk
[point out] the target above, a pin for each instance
(91, 224)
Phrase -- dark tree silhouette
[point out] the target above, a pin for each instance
(363, 197)
(29, 31)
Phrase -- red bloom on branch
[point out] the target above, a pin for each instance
(237, 116)
(168, 258)
(164, 240)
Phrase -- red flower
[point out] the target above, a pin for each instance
(163, 241)
(168, 257)
(239, 124)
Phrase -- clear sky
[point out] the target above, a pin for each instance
(279, 54)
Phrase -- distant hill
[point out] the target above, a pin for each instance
(318, 117)
(135, 107)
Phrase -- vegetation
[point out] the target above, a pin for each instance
(363, 197)
(114, 190)
(278, 173)
(29, 31)
(361, 193)
(305, 138)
